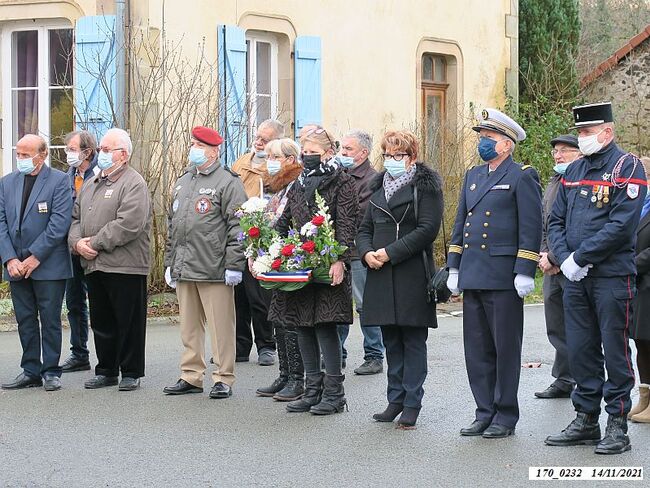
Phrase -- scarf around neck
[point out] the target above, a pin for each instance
(310, 179)
(392, 185)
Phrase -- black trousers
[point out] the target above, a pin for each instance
(598, 314)
(252, 304)
(493, 323)
(118, 317)
(553, 289)
(406, 356)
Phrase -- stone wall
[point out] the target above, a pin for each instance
(627, 85)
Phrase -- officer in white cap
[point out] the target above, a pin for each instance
(492, 258)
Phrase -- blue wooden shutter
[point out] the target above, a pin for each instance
(233, 113)
(307, 77)
(95, 74)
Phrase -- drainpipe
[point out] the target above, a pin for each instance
(122, 56)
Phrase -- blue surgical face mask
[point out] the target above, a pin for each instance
(561, 168)
(197, 156)
(395, 168)
(486, 149)
(346, 161)
(104, 160)
(273, 166)
(25, 166)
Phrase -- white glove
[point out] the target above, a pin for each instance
(572, 270)
(524, 285)
(452, 281)
(168, 278)
(233, 277)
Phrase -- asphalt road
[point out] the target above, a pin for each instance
(85, 438)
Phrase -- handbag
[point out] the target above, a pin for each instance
(437, 290)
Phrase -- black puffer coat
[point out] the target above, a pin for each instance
(395, 294)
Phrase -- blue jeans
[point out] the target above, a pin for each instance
(76, 292)
(34, 300)
(373, 347)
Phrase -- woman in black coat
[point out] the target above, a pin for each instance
(392, 242)
(640, 331)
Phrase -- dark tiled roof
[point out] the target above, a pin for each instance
(616, 58)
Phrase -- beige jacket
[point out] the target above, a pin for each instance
(251, 177)
(116, 213)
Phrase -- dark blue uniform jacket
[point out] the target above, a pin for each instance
(498, 227)
(604, 236)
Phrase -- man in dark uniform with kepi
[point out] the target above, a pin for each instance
(592, 233)
(493, 257)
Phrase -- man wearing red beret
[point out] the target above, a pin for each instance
(204, 260)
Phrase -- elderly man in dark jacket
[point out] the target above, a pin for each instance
(565, 151)
(355, 150)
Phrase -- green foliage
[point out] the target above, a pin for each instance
(549, 32)
(541, 125)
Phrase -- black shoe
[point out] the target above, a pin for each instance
(129, 384)
(583, 430)
(74, 363)
(293, 390)
(616, 440)
(220, 390)
(23, 381)
(333, 398)
(52, 383)
(497, 431)
(388, 415)
(100, 381)
(408, 418)
(268, 391)
(475, 428)
(181, 388)
(553, 391)
(238, 359)
(370, 366)
(266, 357)
(312, 395)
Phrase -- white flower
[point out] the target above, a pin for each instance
(275, 249)
(308, 229)
(254, 204)
(262, 264)
(249, 252)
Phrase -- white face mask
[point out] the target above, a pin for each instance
(589, 144)
(72, 158)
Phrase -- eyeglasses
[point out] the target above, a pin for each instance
(260, 138)
(396, 157)
(107, 150)
(320, 130)
(562, 151)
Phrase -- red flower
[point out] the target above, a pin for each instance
(288, 250)
(318, 220)
(276, 264)
(309, 246)
(254, 232)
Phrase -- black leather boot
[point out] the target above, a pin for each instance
(583, 430)
(281, 381)
(388, 415)
(295, 387)
(616, 440)
(312, 396)
(408, 418)
(333, 400)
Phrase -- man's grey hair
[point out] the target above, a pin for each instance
(87, 141)
(275, 125)
(123, 138)
(364, 139)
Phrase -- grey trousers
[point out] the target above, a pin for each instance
(553, 287)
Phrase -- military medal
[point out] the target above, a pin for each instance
(599, 203)
(606, 198)
(594, 190)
